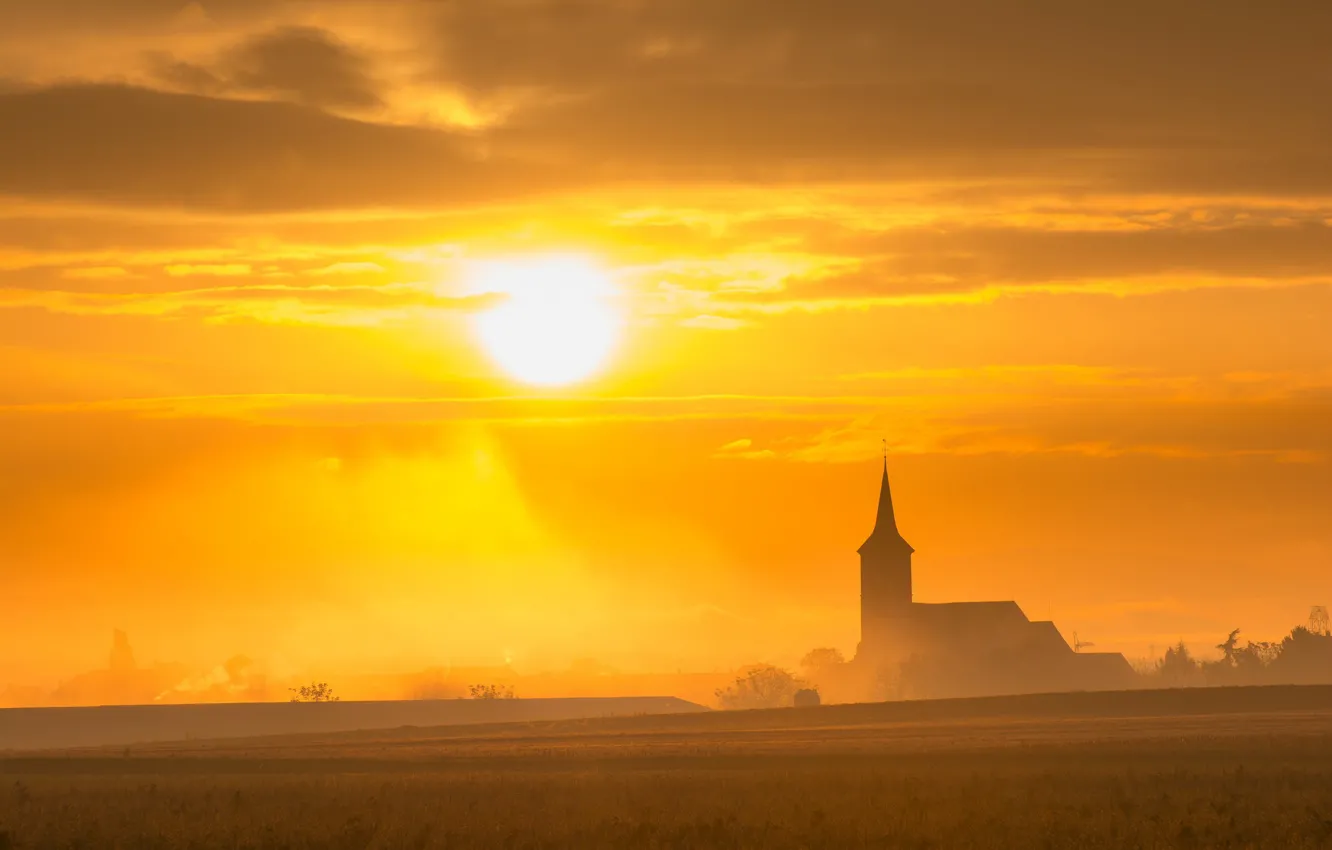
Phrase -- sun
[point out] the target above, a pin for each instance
(556, 325)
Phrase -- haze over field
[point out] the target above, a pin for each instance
(1182, 768)
(356, 337)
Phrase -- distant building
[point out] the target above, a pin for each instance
(960, 648)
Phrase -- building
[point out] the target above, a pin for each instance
(960, 648)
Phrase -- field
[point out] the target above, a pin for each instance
(1219, 768)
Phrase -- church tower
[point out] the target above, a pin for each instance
(885, 578)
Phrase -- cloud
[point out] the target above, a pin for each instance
(186, 76)
(307, 65)
(857, 445)
(300, 64)
(948, 260)
(743, 449)
(906, 91)
(979, 97)
(109, 21)
(96, 273)
(1257, 249)
(346, 268)
(270, 303)
(1033, 409)
(713, 323)
(210, 270)
(139, 147)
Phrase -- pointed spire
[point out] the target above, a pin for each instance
(886, 520)
(885, 534)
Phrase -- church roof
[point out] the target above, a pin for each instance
(885, 535)
(973, 619)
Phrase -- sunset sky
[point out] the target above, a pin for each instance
(361, 335)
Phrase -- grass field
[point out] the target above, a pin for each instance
(1244, 768)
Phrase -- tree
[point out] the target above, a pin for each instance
(763, 686)
(1230, 648)
(314, 692)
(1177, 665)
(1254, 659)
(821, 659)
(1305, 657)
(491, 691)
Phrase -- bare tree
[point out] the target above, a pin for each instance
(314, 692)
(764, 686)
(822, 658)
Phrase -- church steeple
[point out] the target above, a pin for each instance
(885, 577)
(885, 536)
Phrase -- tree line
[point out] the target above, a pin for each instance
(1303, 657)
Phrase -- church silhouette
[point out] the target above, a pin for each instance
(961, 648)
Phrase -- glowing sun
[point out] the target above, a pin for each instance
(556, 324)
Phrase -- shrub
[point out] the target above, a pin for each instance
(314, 692)
(764, 686)
(491, 691)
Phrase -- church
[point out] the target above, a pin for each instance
(961, 648)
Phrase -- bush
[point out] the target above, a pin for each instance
(762, 687)
(491, 691)
(314, 692)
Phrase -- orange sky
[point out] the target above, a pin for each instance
(1073, 263)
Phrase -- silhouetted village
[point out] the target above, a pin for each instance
(960, 648)
(907, 650)
(919, 650)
